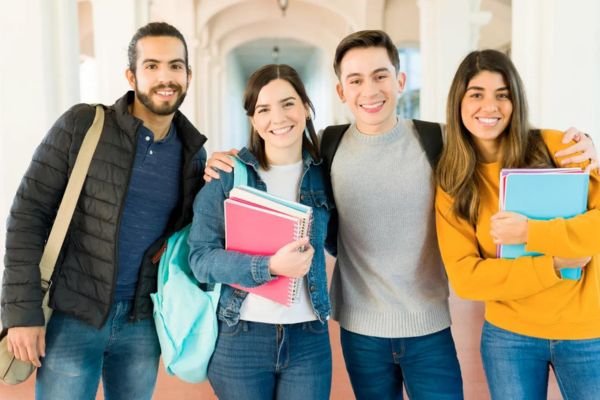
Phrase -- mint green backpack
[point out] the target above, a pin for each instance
(185, 315)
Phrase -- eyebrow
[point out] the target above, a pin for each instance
(352, 75)
(152, 60)
(280, 101)
(480, 88)
(376, 71)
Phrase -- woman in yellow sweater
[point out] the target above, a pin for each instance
(534, 319)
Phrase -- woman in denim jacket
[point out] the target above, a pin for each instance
(266, 350)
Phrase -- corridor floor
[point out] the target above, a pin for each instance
(467, 319)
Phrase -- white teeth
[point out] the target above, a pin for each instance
(165, 92)
(488, 121)
(281, 131)
(372, 106)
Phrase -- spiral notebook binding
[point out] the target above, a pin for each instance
(302, 229)
(294, 290)
(306, 224)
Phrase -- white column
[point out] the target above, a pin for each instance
(449, 30)
(556, 48)
(206, 83)
(39, 80)
(115, 22)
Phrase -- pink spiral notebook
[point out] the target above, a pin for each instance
(259, 230)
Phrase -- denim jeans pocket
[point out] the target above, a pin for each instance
(316, 327)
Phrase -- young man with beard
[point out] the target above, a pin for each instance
(140, 187)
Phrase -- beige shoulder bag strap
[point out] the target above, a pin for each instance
(68, 203)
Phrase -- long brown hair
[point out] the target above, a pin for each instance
(259, 79)
(520, 146)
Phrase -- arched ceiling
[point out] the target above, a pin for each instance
(253, 27)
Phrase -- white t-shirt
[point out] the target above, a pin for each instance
(282, 181)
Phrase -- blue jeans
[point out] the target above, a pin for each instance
(426, 365)
(517, 366)
(257, 361)
(124, 353)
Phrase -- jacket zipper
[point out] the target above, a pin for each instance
(118, 226)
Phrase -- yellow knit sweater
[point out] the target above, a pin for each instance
(525, 295)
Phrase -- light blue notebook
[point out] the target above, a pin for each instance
(291, 204)
(543, 194)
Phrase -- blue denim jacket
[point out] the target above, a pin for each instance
(211, 263)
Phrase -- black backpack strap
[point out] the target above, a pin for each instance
(330, 141)
(332, 136)
(430, 137)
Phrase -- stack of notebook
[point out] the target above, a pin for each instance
(543, 194)
(258, 223)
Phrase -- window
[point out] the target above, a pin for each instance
(410, 63)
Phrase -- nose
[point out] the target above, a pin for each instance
(278, 115)
(370, 88)
(165, 75)
(490, 105)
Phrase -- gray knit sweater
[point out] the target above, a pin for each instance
(389, 280)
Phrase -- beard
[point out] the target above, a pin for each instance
(162, 108)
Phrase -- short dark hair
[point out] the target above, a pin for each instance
(154, 29)
(259, 79)
(364, 39)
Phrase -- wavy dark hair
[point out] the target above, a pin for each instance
(259, 79)
(520, 146)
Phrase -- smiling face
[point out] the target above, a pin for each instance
(280, 118)
(370, 85)
(486, 111)
(161, 78)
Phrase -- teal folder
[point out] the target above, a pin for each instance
(543, 194)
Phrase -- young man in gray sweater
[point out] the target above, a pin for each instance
(389, 289)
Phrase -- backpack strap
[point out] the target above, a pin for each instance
(332, 136)
(330, 141)
(240, 173)
(430, 137)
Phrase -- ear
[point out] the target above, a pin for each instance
(189, 74)
(340, 92)
(130, 77)
(401, 82)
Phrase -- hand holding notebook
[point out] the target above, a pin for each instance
(292, 260)
(509, 228)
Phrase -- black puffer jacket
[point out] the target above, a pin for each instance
(84, 277)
